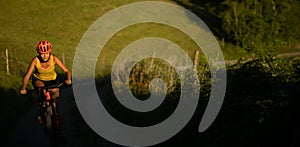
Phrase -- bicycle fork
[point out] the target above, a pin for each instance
(52, 121)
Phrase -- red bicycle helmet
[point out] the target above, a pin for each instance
(43, 47)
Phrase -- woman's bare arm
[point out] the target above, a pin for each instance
(64, 68)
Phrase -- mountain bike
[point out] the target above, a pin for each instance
(48, 109)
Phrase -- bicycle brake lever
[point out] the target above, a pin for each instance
(61, 84)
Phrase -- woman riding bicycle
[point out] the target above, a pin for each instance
(44, 74)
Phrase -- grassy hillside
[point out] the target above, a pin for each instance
(25, 22)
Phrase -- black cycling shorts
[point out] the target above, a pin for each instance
(46, 83)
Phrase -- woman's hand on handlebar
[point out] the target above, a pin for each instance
(68, 82)
(23, 91)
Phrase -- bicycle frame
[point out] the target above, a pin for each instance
(49, 110)
(50, 113)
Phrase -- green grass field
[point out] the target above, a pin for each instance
(24, 23)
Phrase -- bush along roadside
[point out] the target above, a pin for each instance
(260, 103)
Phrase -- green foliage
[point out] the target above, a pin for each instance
(250, 27)
(258, 26)
(260, 98)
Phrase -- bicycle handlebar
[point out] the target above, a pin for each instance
(54, 86)
(59, 85)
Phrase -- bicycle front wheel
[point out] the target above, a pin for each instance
(48, 120)
(55, 120)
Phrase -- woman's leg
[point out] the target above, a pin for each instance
(38, 84)
(55, 93)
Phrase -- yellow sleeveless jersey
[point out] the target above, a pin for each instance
(45, 74)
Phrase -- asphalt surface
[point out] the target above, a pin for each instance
(75, 133)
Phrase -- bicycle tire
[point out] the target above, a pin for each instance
(48, 120)
(55, 120)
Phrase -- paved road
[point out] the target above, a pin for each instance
(28, 132)
(75, 132)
